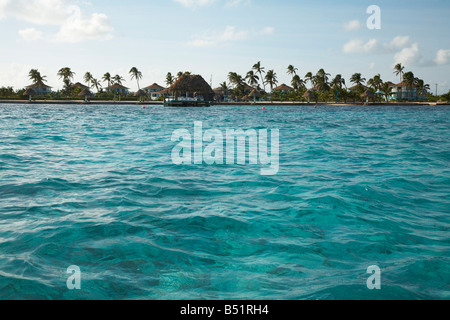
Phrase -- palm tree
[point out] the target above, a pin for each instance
(136, 74)
(67, 74)
(422, 88)
(271, 79)
(410, 82)
(252, 78)
(88, 78)
(297, 82)
(107, 78)
(375, 82)
(258, 69)
(96, 84)
(224, 85)
(320, 80)
(169, 79)
(398, 70)
(357, 79)
(386, 89)
(237, 82)
(309, 77)
(117, 79)
(179, 74)
(292, 70)
(337, 82)
(36, 77)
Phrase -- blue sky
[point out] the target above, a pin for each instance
(214, 37)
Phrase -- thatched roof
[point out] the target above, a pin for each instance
(154, 86)
(140, 93)
(116, 86)
(37, 86)
(192, 84)
(254, 94)
(29, 92)
(284, 87)
(85, 93)
(79, 85)
(367, 94)
(309, 94)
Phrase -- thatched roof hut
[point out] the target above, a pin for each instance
(85, 93)
(368, 94)
(192, 85)
(30, 92)
(141, 93)
(252, 95)
(79, 85)
(284, 88)
(38, 86)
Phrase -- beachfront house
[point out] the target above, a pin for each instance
(401, 91)
(39, 89)
(155, 91)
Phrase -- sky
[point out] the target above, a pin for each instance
(215, 37)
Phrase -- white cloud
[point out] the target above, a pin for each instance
(409, 56)
(41, 12)
(231, 34)
(374, 46)
(75, 25)
(78, 28)
(358, 46)
(30, 34)
(442, 57)
(352, 25)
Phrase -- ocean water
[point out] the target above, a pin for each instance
(95, 186)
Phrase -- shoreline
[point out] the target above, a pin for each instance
(264, 103)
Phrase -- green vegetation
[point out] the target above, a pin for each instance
(251, 87)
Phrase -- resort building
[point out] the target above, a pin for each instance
(117, 89)
(402, 92)
(40, 89)
(155, 91)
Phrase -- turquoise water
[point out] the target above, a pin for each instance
(94, 186)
